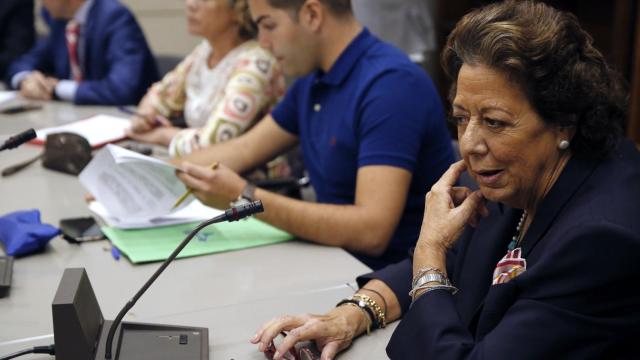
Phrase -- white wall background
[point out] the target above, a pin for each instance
(163, 23)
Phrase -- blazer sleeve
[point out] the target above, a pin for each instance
(127, 55)
(40, 57)
(579, 301)
(399, 276)
(395, 276)
(20, 32)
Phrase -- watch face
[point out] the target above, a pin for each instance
(240, 201)
(248, 192)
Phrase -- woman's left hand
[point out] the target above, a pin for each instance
(332, 332)
(448, 209)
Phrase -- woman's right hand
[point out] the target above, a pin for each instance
(147, 117)
(332, 332)
(147, 121)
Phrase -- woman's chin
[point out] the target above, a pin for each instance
(193, 28)
(493, 194)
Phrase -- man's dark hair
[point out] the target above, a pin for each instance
(338, 7)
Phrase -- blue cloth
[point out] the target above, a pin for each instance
(374, 107)
(117, 65)
(23, 233)
(577, 299)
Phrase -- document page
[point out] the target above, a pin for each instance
(6, 96)
(98, 130)
(195, 211)
(132, 186)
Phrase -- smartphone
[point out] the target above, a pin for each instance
(76, 230)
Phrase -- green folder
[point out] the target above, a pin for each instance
(156, 244)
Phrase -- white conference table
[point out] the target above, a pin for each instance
(230, 293)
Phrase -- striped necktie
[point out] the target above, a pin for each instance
(72, 36)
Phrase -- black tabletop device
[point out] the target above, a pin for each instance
(6, 271)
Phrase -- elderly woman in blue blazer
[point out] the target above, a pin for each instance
(541, 262)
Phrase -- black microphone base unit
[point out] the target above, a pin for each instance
(80, 331)
(138, 341)
(6, 271)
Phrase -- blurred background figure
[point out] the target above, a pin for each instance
(95, 53)
(407, 24)
(221, 88)
(17, 31)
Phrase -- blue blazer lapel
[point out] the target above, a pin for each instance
(480, 256)
(499, 298)
(89, 38)
(573, 176)
(59, 52)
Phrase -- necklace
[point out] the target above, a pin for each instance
(515, 240)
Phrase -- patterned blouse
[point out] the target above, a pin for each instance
(219, 103)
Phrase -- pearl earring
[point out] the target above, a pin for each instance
(563, 145)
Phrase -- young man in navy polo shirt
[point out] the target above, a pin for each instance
(370, 125)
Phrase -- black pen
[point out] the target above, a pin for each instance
(17, 108)
(17, 167)
(143, 116)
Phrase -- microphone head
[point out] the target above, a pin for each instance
(29, 134)
(19, 139)
(238, 212)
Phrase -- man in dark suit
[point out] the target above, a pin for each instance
(95, 53)
(17, 32)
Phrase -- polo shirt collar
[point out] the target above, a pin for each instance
(347, 60)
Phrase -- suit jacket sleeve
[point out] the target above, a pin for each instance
(40, 57)
(19, 32)
(126, 57)
(398, 276)
(577, 296)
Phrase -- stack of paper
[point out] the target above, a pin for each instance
(132, 188)
(7, 96)
(135, 195)
(195, 211)
(98, 130)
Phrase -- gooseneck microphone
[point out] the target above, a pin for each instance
(18, 140)
(232, 214)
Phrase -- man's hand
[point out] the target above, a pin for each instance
(216, 188)
(38, 86)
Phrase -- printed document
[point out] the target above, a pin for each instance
(132, 188)
(98, 130)
(7, 96)
(195, 211)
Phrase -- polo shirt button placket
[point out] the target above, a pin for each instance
(317, 107)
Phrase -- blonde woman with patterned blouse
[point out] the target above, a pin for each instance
(221, 88)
